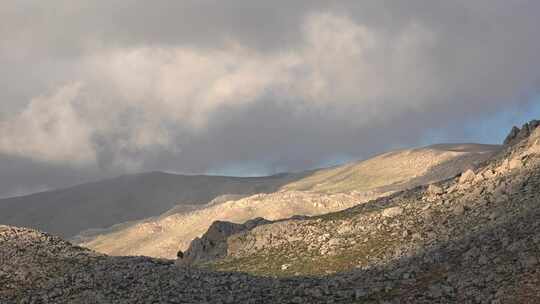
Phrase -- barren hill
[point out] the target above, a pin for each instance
(396, 170)
(321, 191)
(66, 212)
(474, 238)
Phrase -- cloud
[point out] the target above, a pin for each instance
(49, 129)
(334, 68)
(195, 86)
(339, 66)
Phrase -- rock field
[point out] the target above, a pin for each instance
(474, 238)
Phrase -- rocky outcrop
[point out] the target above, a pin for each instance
(162, 237)
(467, 176)
(517, 134)
(213, 244)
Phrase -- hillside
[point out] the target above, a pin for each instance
(163, 236)
(474, 238)
(319, 192)
(39, 268)
(396, 170)
(67, 212)
(470, 239)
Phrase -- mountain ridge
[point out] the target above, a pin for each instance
(353, 183)
(472, 238)
(108, 202)
(492, 183)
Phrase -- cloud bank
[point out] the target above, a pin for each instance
(199, 86)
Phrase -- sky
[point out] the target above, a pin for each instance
(95, 89)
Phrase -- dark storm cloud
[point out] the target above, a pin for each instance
(98, 88)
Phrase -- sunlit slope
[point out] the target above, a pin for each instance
(396, 170)
(164, 236)
(321, 192)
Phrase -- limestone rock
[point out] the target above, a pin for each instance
(515, 164)
(392, 212)
(467, 176)
(434, 190)
(458, 210)
(213, 244)
(517, 134)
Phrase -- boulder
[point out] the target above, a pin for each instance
(458, 210)
(467, 176)
(435, 190)
(515, 164)
(392, 212)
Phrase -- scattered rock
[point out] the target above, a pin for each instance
(458, 210)
(392, 212)
(398, 256)
(467, 176)
(435, 190)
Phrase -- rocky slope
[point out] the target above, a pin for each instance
(165, 235)
(39, 268)
(474, 238)
(471, 239)
(127, 198)
(396, 170)
(318, 192)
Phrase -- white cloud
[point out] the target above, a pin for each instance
(49, 129)
(191, 86)
(140, 98)
(373, 72)
(338, 66)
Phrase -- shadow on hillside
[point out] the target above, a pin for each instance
(492, 257)
(455, 269)
(67, 212)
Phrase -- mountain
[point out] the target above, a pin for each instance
(67, 212)
(454, 241)
(100, 205)
(473, 238)
(396, 170)
(316, 192)
(163, 236)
